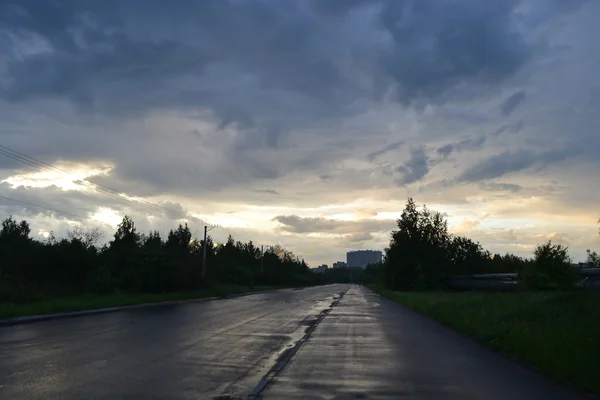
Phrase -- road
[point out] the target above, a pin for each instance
(331, 342)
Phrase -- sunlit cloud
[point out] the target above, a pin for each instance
(67, 176)
(466, 226)
(107, 216)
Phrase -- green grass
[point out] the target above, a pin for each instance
(556, 333)
(91, 302)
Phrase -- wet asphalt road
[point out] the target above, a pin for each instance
(293, 344)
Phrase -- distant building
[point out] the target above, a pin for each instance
(339, 264)
(320, 269)
(362, 258)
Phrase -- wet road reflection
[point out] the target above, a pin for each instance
(331, 342)
(191, 351)
(371, 348)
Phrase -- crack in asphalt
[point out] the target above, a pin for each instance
(287, 354)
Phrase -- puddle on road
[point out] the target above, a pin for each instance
(289, 347)
(311, 322)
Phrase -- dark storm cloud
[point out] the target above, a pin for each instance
(567, 150)
(548, 8)
(415, 168)
(339, 7)
(499, 164)
(501, 187)
(267, 191)
(357, 237)
(99, 52)
(515, 161)
(267, 69)
(296, 224)
(594, 96)
(472, 143)
(120, 57)
(390, 147)
(465, 144)
(445, 150)
(512, 128)
(512, 102)
(438, 44)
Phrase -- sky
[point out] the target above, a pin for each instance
(304, 123)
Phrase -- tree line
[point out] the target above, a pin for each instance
(422, 254)
(134, 262)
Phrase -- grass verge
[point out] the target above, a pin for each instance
(91, 302)
(558, 334)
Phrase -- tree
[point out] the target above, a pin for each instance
(594, 259)
(186, 267)
(17, 262)
(132, 262)
(422, 254)
(551, 269)
(468, 257)
(180, 239)
(400, 263)
(89, 237)
(73, 265)
(123, 258)
(127, 232)
(13, 231)
(417, 256)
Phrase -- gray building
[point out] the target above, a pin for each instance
(362, 258)
(320, 269)
(339, 264)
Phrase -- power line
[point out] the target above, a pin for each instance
(43, 166)
(42, 207)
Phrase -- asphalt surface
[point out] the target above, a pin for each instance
(332, 342)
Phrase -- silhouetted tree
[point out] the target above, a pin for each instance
(87, 237)
(468, 257)
(14, 232)
(594, 259)
(122, 256)
(417, 256)
(180, 239)
(550, 269)
(422, 254)
(132, 262)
